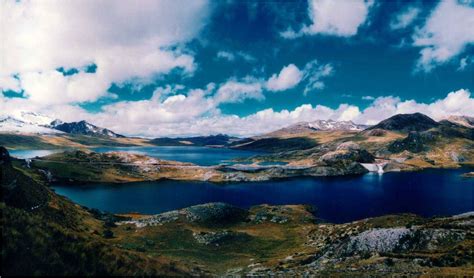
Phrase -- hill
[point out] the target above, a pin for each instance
(217, 239)
(406, 123)
(219, 140)
(45, 234)
(462, 120)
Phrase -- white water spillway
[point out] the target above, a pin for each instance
(375, 167)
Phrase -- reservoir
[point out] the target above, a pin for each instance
(432, 192)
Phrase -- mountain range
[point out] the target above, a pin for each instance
(30, 122)
(319, 125)
(295, 135)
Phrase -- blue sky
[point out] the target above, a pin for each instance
(175, 68)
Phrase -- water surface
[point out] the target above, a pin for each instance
(204, 156)
(198, 155)
(24, 154)
(338, 199)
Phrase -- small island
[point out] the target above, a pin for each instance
(468, 175)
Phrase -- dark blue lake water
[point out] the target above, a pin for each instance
(198, 155)
(338, 199)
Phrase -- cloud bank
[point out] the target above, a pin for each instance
(196, 113)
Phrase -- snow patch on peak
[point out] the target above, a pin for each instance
(35, 118)
(335, 125)
(13, 125)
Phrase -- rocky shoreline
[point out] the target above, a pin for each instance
(348, 158)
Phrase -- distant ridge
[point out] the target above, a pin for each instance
(406, 123)
(31, 122)
(85, 128)
(320, 125)
(462, 120)
(211, 140)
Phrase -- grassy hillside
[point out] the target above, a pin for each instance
(288, 241)
(61, 141)
(45, 234)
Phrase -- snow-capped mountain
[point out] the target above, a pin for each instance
(34, 118)
(335, 125)
(84, 128)
(321, 125)
(27, 122)
(30, 122)
(462, 120)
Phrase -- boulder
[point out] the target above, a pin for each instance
(215, 214)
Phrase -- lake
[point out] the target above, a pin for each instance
(338, 199)
(24, 154)
(198, 155)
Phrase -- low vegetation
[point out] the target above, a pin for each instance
(45, 234)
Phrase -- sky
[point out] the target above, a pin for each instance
(186, 68)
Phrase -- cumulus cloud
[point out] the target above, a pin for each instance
(127, 42)
(405, 18)
(194, 112)
(446, 34)
(52, 87)
(288, 77)
(238, 91)
(337, 18)
(457, 103)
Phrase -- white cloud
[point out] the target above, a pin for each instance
(405, 18)
(9, 83)
(464, 62)
(446, 34)
(128, 41)
(457, 103)
(338, 18)
(52, 87)
(288, 78)
(238, 91)
(229, 56)
(313, 73)
(195, 112)
(368, 98)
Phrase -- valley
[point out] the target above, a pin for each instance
(296, 210)
(217, 238)
(408, 142)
